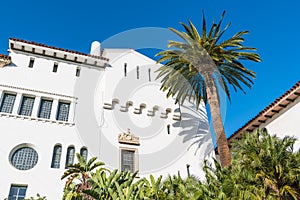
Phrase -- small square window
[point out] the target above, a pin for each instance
(55, 67)
(17, 192)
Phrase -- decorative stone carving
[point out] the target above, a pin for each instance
(128, 138)
(4, 60)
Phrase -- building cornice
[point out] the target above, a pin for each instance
(37, 91)
(57, 53)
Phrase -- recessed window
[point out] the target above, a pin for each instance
(45, 108)
(84, 153)
(26, 106)
(7, 103)
(24, 158)
(31, 62)
(128, 160)
(56, 156)
(149, 74)
(125, 69)
(55, 66)
(70, 156)
(77, 72)
(63, 111)
(17, 192)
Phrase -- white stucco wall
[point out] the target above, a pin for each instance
(287, 123)
(92, 126)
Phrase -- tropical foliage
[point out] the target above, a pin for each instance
(263, 167)
(78, 175)
(197, 67)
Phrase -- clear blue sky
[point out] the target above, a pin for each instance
(273, 25)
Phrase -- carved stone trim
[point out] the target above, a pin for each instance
(128, 138)
(4, 60)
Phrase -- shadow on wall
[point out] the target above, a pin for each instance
(195, 129)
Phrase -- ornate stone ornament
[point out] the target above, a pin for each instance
(128, 138)
(4, 60)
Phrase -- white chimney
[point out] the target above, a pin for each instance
(95, 48)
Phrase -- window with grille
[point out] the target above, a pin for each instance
(56, 156)
(17, 192)
(26, 106)
(84, 153)
(70, 156)
(63, 111)
(24, 158)
(45, 108)
(128, 160)
(7, 103)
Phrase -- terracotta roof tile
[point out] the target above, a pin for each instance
(61, 49)
(5, 56)
(268, 110)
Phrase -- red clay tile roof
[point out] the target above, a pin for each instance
(61, 49)
(4, 56)
(280, 103)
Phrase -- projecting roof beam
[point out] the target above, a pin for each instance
(275, 111)
(283, 106)
(290, 100)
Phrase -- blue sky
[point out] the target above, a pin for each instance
(273, 26)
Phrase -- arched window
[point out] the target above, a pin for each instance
(84, 153)
(70, 156)
(56, 156)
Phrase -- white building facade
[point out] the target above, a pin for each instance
(56, 102)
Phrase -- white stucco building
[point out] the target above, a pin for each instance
(281, 117)
(56, 102)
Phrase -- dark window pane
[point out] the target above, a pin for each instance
(63, 111)
(7, 103)
(26, 106)
(45, 109)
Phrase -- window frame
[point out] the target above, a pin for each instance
(20, 162)
(135, 158)
(12, 103)
(65, 119)
(68, 155)
(40, 107)
(21, 105)
(87, 153)
(19, 186)
(56, 158)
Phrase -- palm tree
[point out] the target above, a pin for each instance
(201, 64)
(81, 172)
(272, 162)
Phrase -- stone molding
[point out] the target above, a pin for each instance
(128, 138)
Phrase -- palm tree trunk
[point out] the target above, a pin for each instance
(214, 105)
